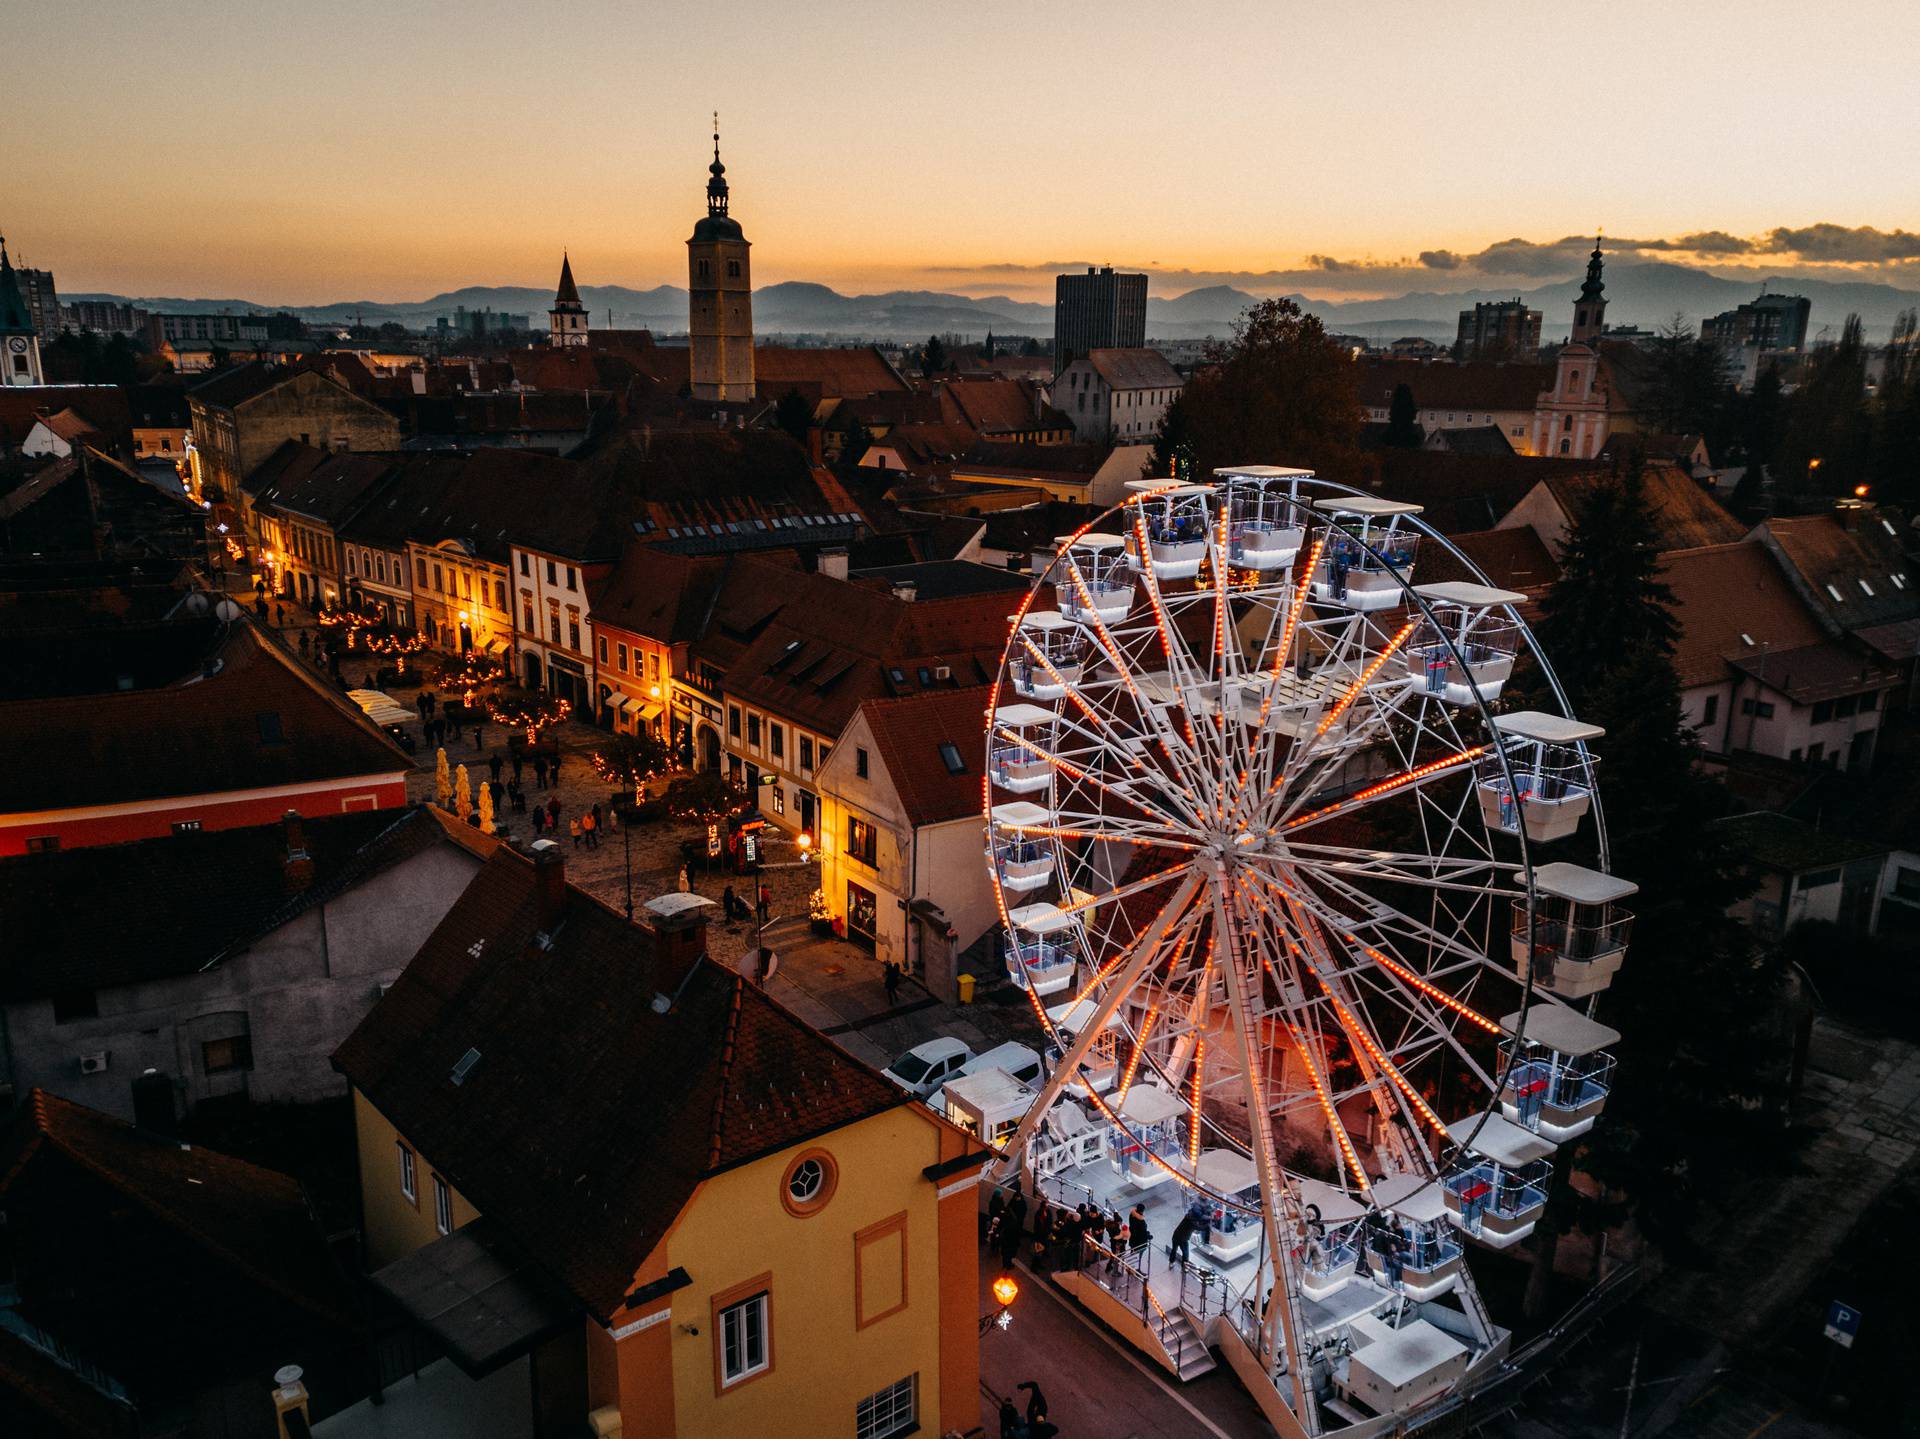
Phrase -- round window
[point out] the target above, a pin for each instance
(808, 1183)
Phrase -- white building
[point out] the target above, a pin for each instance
(1117, 395)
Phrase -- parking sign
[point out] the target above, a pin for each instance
(1843, 1323)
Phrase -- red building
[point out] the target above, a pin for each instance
(171, 728)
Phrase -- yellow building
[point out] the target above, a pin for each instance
(711, 1220)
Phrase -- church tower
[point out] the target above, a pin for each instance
(567, 320)
(719, 296)
(1590, 310)
(19, 344)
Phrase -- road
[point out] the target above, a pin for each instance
(1096, 1386)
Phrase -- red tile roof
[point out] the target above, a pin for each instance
(657, 594)
(587, 1120)
(260, 720)
(908, 735)
(828, 374)
(1687, 516)
(1141, 369)
(1514, 559)
(1732, 603)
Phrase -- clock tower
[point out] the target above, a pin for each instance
(19, 344)
(719, 296)
(567, 319)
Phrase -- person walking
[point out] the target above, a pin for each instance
(539, 821)
(495, 765)
(573, 830)
(589, 829)
(996, 1206)
(1012, 1230)
(730, 906)
(431, 701)
(890, 979)
(479, 728)
(519, 766)
(1038, 1426)
(1182, 1237)
(539, 769)
(518, 796)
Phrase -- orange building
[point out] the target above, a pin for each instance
(585, 1145)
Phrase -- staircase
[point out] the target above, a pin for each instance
(1185, 1345)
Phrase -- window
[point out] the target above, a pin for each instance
(1823, 712)
(421, 567)
(1867, 588)
(186, 826)
(653, 667)
(1869, 702)
(573, 631)
(350, 565)
(553, 626)
(1711, 711)
(777, 740)
(891, 1412)
(706, 269)
(72, 1004)
(733, 269)
(466, 586)
(1838, 598)
(552, 577)
(526, 616)
(753, 731)
(442, 1206)
(499, 594)
(743, 1338)
(1760, 709)
(950, 757)
(570, 583)
(733, 720)
(1816, 753)
(1819, 879)
(603, 651)
(227, 1056)
(407, 1183)
(525, 568)
(806, 752)
(860, 841)
(268, 723)
(620, 654)
(779, 798)
(860, 762)
(1844, 707)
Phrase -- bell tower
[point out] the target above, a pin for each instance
(1590, 310)
(19, 343)
(719, 296)
(567, 320)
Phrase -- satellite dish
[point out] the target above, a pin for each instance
(197, 603)
(227, 610)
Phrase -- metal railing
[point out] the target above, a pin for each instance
(1126, 1277)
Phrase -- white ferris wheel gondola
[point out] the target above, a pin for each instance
(1261, 835)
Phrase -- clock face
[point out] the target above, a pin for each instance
(17, 345)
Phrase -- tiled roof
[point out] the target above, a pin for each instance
(1821, 671)
(201, 897)
(240, 384)
(487, 498)
(1141, 369)
(830, 374)
(20, 406)
(990, 406)
(254, 1220)
(1686, 515)
(318, 484)
(1476, 385)
(1780, 842)
(1732, 602)
(909, 734)
(587, 1120)
(1473, 440)
(257, 722)
(655, 593)
(1514, 559)
(69, 425)
(946, 579)
(1858, 557)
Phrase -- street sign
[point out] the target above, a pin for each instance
(713, 841)
(1843, 1324)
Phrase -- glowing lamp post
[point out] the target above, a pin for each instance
(1005, 1290)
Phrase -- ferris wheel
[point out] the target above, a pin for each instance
(1274, 864)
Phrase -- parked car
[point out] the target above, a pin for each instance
(925, 1067)
(1014, 1058)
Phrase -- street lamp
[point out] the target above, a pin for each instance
(1005, 1289)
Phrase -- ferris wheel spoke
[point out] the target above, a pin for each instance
(1394, 867)
(1290, 821)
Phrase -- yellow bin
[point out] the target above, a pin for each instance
(965, 982)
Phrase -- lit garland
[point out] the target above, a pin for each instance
(532, 714)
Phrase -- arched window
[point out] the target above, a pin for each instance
(1566, 447)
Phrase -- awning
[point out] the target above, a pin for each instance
(381, 708)
(496, 649)
(471, 1291)
(619, 703)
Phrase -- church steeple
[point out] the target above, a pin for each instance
(567, 320)
(719, 296)
(1590, 310)
(717, 182)
(19, 344)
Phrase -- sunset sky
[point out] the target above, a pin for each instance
(313, 152)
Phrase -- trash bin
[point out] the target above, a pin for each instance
(965, 982)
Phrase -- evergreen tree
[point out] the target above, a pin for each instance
(989, 345)
(1609, 602)
(1830, 421)
(1403, 420)
(933, 359)
(794, 415)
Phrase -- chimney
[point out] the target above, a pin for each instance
(833, 562)
(299, 864)
(550, 881)
(905, 590)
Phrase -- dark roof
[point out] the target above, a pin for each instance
(256, 1221)
(159, 406)
(1475, 385)
(824, 373)
(1858, 553)
(484, 498)
(1515, 559)
(240, 384)
(663, 596)
(588, 1120)
(259, 721)
(317, 484)
(1791, 846)
(1732, 602)
(185, 902)
(909, 734)
(1131, 369)
(568, 293)
(1473, 440)
(945, 579)
(1821, 671)
(1686, 515)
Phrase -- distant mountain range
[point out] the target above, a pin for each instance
(1639, 293)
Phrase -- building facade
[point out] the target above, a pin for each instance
(19, 336)
(719, 298)
(1100, 310)
(567, 319)
(1119, 396)
(1498, 330)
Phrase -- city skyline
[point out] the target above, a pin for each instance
(1339, 171)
